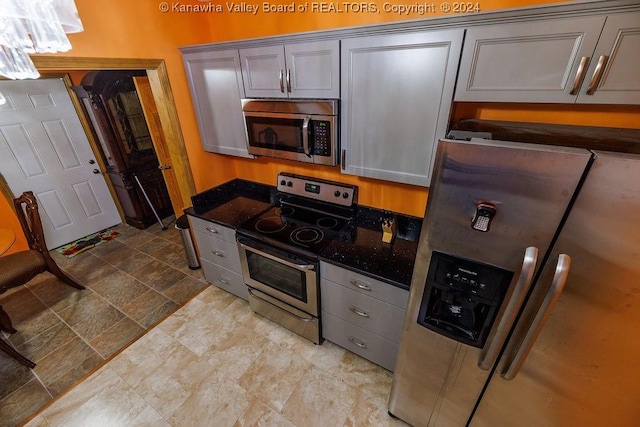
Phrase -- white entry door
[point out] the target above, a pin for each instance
(44, 149)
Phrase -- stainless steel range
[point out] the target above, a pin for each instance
(279, 249)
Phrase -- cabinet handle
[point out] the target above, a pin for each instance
(211, 230)
(582, 69)
(359, 285)
(359, 312)
(289, 80)
(218, 253)
(222, 280)
(343, 160)
(358, 342)
(597, 74)
(281, 82)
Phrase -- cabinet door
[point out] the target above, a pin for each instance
(527, 62)
(396, 97)
(614, 73)
(216, 87)
(313, 69)
(263, 71)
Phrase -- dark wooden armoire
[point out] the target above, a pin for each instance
(113, 107)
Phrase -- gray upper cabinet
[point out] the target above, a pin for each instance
(553, 61)
(396, 99)
(614, 73)
(297, 70)
(215, 81)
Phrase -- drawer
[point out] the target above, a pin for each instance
(362, 310)
(365, 285)
(227, 280)
(360, 341)
(218, 251)
(212, 229)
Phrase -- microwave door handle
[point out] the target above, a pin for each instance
(554, 292)
(490, 353)
(305, 135)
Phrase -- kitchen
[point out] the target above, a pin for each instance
(402, 198)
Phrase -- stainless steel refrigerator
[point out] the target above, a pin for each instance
(524, 307)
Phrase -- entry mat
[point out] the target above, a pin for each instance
(72, 249)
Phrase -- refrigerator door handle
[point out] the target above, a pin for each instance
(490, 353)
(557, 285)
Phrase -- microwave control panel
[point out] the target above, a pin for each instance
(321, 137)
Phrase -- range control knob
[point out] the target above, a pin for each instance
(337, 193)
(345, 195)
(289, 184)
(283, 182)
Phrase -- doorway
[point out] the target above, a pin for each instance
(171, 151)
(122, 121)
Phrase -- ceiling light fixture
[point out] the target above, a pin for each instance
(34, 26)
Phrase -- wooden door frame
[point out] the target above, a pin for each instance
(163, 97)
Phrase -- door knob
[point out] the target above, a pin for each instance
(96, 171)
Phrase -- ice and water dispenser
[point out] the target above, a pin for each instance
(462, 298)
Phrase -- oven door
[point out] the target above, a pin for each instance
(289, 278)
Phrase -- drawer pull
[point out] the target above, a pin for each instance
(359, 312)
(223, 281)
(218, 253)
(358, 342)
(362, 286)
(211, 230)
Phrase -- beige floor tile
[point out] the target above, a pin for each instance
(369, 411)
(149, 418)
(259, 414)
(103, 399)
(367, 377)
(213, 402)
(234, 351)
(216, 298)
(173, 382)
(144, 357)
(320, 399)
(274, 375)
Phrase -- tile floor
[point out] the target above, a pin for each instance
(215, 362)
(132, 282)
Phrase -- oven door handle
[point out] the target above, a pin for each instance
(277, 259)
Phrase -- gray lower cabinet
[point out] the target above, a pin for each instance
(362, 314)
(296, 70)
(560, 60)
(215, 81)
(397, 93)
(219, 256)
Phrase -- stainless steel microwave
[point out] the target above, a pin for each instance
(302, 130)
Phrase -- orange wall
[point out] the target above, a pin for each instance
(138, 29)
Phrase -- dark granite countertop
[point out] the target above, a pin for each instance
(231, 203)
(362, 250)
(359, 248)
